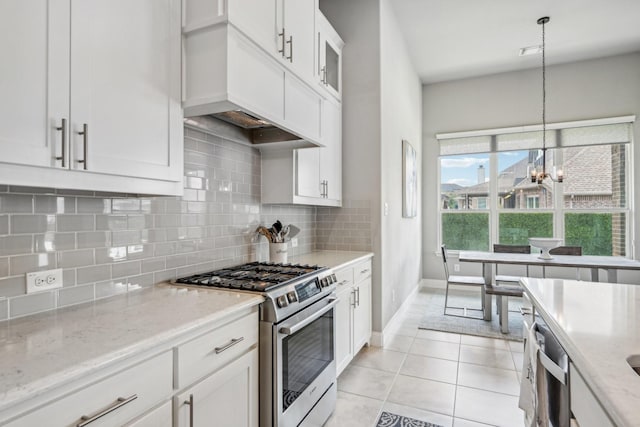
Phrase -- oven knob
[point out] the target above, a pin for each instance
(282, 301)
(291, 296)
(334, 279)
(324, 282)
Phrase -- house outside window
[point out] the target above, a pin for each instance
(533, 202)
(487, 196)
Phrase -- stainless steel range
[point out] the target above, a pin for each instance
(297, 339)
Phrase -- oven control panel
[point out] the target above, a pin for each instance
(289, 299)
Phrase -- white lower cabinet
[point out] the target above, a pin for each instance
(199, 379)
(229, 397)
(584, 405)
(353, 312)
(158, 417)
(111, 401)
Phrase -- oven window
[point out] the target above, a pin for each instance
(305, 355)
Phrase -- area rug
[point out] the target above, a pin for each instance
(387, 419)
(434, 319)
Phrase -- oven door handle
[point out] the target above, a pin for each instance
(290, 330)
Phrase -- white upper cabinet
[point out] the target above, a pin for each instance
(329, 56)
(331, 154)
(34, 81)
(92, 95)
(125, 87)
(295, 22)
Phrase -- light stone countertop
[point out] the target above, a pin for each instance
(331, 259)
(46, 350)
(598, 324)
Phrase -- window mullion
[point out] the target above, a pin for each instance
(493, 198)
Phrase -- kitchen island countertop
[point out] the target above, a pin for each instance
(43, 351)
(598, 324)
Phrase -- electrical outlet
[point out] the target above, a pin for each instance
(294, 242)
(456, 268)
(44, 280)
(386, 208)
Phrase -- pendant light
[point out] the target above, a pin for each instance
(539, 174)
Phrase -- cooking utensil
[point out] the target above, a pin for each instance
(293, 231)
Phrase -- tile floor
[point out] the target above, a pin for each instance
(448, 379)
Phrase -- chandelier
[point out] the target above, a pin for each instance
(539, 173)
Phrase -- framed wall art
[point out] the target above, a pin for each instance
(409, 180)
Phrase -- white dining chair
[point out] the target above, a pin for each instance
(474, 281)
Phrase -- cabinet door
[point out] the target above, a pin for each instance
(329, 57)
(228, 397)
(362, 315)
(331, 154)
(296, 18)
(257, 19)
(308, 172)
(125, 87)
(344, 329)
(302, 108)
(34, 80)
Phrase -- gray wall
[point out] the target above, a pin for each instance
(113, 243)
(381, 107)
(598, 88)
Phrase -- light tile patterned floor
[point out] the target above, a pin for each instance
(448, 379)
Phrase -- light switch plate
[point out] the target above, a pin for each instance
(294, 242)
(44, 280)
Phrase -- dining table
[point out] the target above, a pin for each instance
(610, 264)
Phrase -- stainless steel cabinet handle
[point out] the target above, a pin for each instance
(353, 304)
(63, 128)
(281, 50)
(190, 403)
(364, 271)
(358, 296)
(120, 402)
(326, 189)
(85, 144)
(290, 43)
(231, 343)
(324, 75)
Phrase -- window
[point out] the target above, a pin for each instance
(487, 196)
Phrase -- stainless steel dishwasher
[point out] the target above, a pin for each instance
(547, 370)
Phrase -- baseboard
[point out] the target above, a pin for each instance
(433, 283)
(377, 338)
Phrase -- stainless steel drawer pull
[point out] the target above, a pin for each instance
(85, 143)
(120, 402)
(190, 403)
(366, 270)
(281, 50)
(290, 43)
(63, 156)
(231, 343)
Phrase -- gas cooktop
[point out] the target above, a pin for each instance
(254, 276)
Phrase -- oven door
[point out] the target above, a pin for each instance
(305, 361)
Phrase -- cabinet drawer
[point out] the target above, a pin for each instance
(345, 278)
(214, 349)
(120, 397)
(362, 271)
(159, 417)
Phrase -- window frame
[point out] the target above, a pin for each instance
(558, 210)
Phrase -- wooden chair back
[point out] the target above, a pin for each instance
(567, 250)
(512, 249)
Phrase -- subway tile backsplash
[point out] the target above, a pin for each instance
(109, 244)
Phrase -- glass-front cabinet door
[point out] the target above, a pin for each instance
(329, 57)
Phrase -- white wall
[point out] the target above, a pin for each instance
(401, 106)
(381, 107)
(604, 87)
